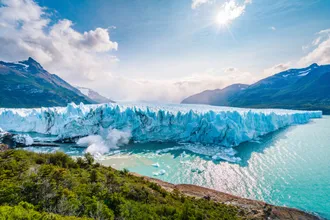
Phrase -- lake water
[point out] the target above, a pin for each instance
(290, 167)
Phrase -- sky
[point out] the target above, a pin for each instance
(165, 50)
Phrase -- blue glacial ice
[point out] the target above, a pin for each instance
(223, 126)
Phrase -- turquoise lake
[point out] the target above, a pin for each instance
(290, 167)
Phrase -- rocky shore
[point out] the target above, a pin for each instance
(249, 209)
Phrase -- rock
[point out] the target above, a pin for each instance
(15, 140)
(3, 147)
(6, 138)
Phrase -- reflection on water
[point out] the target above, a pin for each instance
(289, 167)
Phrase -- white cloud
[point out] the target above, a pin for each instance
(230, 10)
(272, 28)
(27, 31)
(196, 3)
(233, 9)
(230, 69)
(276, 69)
(85, 58)
(320, 50)
(174, 90)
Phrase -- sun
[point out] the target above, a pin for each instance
(222, 18)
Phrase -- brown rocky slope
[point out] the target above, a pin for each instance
(249, 209)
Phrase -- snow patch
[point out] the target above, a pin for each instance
(25, 66)
(304, 73)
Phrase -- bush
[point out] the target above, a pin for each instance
(25, 211)
(54, 186)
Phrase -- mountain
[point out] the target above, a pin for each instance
(307, 88)
(215, 97)
(94, 95)
(26, 84)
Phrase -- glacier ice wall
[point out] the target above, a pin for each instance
(150, 122)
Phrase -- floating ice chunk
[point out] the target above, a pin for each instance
(23, 139)
(159, 173)
(226, 157)
(166, 150)
(199, 171)
(156, 165)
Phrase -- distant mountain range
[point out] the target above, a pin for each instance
(94, 95)
(306, 89)
(27, 84)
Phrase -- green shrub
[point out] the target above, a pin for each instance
(55, 186)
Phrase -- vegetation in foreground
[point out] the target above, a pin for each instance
(55, 186)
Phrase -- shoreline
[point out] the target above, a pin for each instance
(248, 208)
(252, 209)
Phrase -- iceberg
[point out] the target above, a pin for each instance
(155, 165)
(160, 173)
(223, 126)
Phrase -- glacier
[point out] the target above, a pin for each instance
(223, 126)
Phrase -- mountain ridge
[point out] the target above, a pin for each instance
(306, 89)
(26, 84)
(217, 95)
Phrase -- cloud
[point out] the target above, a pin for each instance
(94, 40)
(230, 69)
(26, 30)
(87, 59)
(173, 90)
(196, 3)
(320, 50)
(272, 28)
(230, 10)
(277, 68)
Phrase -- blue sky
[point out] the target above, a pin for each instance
(180, 43)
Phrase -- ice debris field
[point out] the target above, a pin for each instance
(222, 126)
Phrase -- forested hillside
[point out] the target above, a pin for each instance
(55, 186)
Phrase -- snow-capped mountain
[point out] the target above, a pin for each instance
(94, 95)
(307, 88)
(26, 84)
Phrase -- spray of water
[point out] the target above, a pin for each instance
(107, 140)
